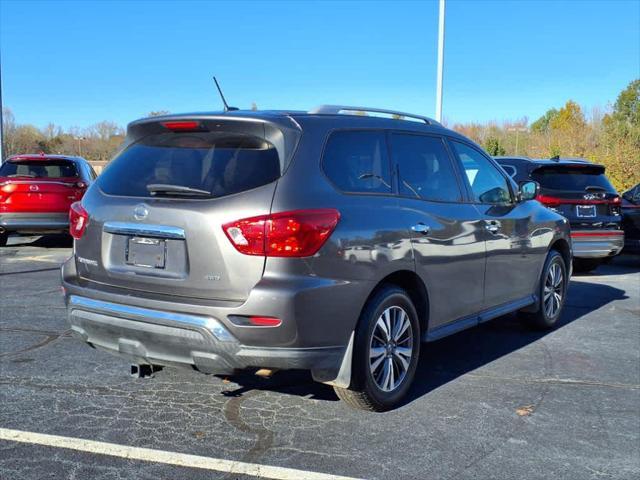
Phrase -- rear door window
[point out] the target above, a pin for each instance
(356, 161)
(424, 167)
(217, 163)
(39, 169)
(573, 179)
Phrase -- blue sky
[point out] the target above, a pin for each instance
(77, 63)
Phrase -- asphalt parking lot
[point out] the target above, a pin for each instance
(498, 401)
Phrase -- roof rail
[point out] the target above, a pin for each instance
(337, 109)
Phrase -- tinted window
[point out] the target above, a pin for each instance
(572, 178)
(219, 163)
(356, 161)
(425, 168)
(39, 169)
(486, 181)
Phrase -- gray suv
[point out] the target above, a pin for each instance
(329, 241)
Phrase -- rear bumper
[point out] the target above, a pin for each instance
(34, 222)
(318, 318)
(597, 244)
(147, 336)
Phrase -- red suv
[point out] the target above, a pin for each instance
(36, 192)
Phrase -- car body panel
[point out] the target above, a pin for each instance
(468, 276)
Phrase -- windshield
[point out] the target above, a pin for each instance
(210, 164)
(39, 169)
(578, 179)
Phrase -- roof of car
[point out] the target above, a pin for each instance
(42, 156)
(550, 161)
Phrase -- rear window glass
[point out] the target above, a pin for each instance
(39, 169)
(356, 161)
(217, 163)
(577, 179)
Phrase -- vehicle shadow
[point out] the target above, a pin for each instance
(447, 359)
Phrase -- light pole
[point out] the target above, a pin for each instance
(2, 151)
(517, 130)
(440, 62)
(79, 139)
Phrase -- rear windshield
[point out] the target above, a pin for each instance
(39, 169)
(216, 163)
(578, 179)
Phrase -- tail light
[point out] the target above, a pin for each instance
(182, 125)
(299, 233)
(78, 220)
(549, 201)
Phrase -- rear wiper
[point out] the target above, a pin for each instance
(22, 175)
(167, 189)
(594, 187)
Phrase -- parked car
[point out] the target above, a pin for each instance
(580, 191)
(631, 219)
(217, 242)
(36, 192)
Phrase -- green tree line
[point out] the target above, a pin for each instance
(610, 137)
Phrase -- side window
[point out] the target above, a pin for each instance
(356, 161)
(425, 169)
(486, 181)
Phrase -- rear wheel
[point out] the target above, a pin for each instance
(551, 294)
(584, 265)
(386, 351)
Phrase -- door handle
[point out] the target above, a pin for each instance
(420, 228)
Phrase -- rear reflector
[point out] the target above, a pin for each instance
(182, 126)
(299, 233)
(78, 220)
(254, 321)
(551, 201)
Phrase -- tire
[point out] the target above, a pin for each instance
(551, 294)
(4, 236)
(584, 265)
(377, 391)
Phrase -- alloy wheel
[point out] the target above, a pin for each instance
(553, 290)
(391, 348)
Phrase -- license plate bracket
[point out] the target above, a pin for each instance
(586, 211)
(146, 252)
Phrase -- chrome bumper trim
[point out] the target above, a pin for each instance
(138, 313)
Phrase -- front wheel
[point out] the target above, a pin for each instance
(4, 236)
(386, 351)
(551, 293)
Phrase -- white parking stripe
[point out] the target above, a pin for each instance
(160, 456)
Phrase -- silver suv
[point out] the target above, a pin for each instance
(329, 241)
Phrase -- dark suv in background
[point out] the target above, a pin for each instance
(580, 191)
(323, 240)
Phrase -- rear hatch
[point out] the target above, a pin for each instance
(156, 212)
(580, 192)
(39, 186)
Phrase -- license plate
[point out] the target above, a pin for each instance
(146, 252)
(586, 211)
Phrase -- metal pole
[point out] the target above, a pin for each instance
(440, 62)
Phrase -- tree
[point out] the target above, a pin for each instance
(494, 147)
(254, 106)
(542, 124)
(157, 113)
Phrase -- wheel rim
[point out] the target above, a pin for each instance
(553, 290)
(391, 349)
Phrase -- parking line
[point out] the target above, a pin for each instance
(160, 456)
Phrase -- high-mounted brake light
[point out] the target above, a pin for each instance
(78, 220)
(299, 233)
(182, 126)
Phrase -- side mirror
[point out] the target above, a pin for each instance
(528, 191)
